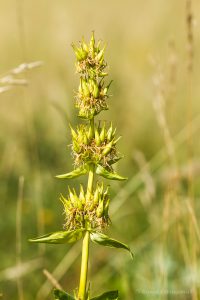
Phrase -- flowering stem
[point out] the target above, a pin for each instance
(85, 246)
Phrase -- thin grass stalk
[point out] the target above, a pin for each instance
(190, 142)
(52, 279)
(19, 235)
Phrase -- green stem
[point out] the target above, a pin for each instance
(90, 181)
(82, 294)
(84, 268)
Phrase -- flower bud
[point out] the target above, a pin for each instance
(103, 133)
(97, 137)
(85, 139)
(100, 54)
(85, 88)
(92, 45)
(89, 134)
(73, 133)
(71, 196)
(91, 206)
(84, 46)
(96, 196)
(95, 90)
(99, 210)
(101, 61)
(82, 195)
(110, 132)
(83, 54)
(106, 207)
(107, 148)
(80, 136)
(92, 40)
(76, 147)
(79, 204)
(77, 52)
(101, 189)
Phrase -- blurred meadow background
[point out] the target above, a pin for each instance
(153, 55)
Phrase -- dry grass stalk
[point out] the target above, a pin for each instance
(190, 35)
(173, 64)
(190, 64)
(19, 234)
(59, 271)
(52, 280)
(10, 79)
(159, 106)
(193, 217)
(190, 142)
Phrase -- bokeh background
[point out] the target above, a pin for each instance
(155, 106)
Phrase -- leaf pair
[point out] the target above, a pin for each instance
(99, 170)
(63, 237)
(61, 295)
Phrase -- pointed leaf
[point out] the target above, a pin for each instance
(109, 175)
(59, 237)
(111, 295)
(75, 173)
(61, 295)
(104, 240)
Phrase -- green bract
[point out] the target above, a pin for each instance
(94, 150)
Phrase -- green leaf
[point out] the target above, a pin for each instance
(61, 295)
(77, 172)
(104, 240)
(107, 296)
(59, 237)
(106, 174)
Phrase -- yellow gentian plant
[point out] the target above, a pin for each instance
(94, 153)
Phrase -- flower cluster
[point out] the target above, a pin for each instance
(93, 92)
(86, 210)
(90, 58)
(100, 148)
